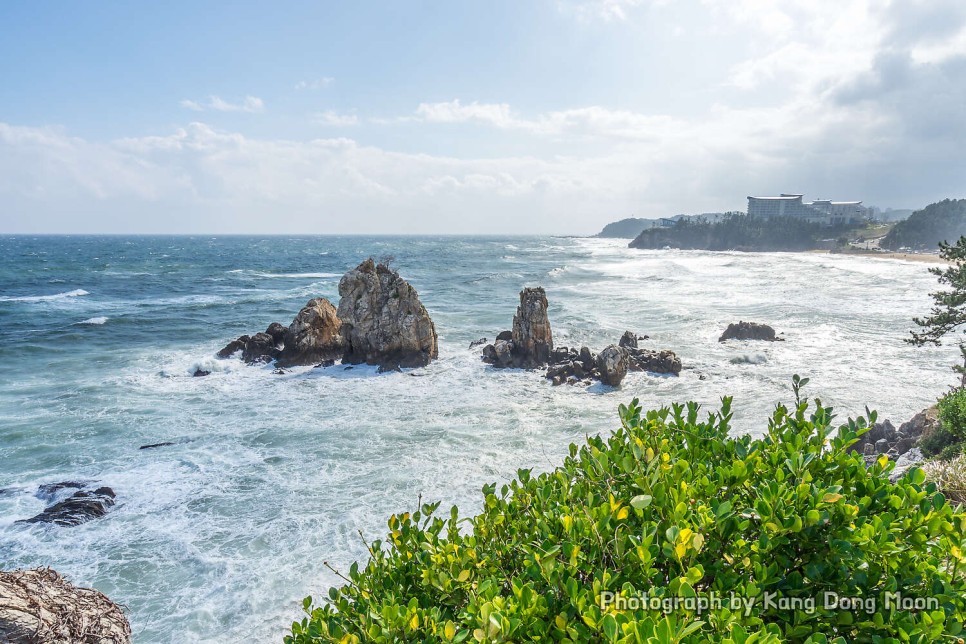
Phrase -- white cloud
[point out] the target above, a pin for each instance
(607, 10)
(333, 118)
(456, 112)
(318, 83)
(249, 104)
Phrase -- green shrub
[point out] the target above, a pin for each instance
(952, 413)
(673, 506)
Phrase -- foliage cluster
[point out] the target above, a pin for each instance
(670, 505)
(950, 477)
(738, 231)
(943, 221)
(947, 441)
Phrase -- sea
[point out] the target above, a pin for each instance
(272, 478)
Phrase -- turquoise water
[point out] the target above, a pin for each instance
(218, 537)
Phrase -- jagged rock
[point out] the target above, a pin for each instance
(663, 361)
(587, 358)
(234, 347)
(277, 331)
(315, 335)
(477, 343)
(48, 490)
(504, 335)
(261, 347)
(532, 338)
(41, 606)
(628, 340)
(325, 363)
(80, 507)
(749, 331)
(384, 323)
(200, 373)
(612, 364)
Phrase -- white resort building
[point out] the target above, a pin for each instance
(820, 211)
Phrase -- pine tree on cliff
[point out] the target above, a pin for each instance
(949, 310)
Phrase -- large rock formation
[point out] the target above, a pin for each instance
(532, 338)
(41, 606)
(612, 365)
(80, 507)
(314, 336)
(383, 321)
(530, 343)
(749, 331)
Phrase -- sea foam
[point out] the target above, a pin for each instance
(44, 298)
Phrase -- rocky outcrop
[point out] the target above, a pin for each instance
(41, 606)
(530, 343)
(79, 507)
(314, 336)
(572, 365)
(749, 331)
(255, 349)
(900, 445)
(532, 337)
(612, 365)
(384, 323)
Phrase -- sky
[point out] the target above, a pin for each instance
(452, 117)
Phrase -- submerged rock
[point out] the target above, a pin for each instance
(612, 365)
(384, 323)
(155, 445)
(749, 331)
(41, 606)
(314, 336)
(80, 507)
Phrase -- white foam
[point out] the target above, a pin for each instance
(95, 321)
(45, 298)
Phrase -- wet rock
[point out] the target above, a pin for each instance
(587, 358)
(628, 340)
(48, 490)
(260, 348)
(663, 361)
(155, 445)
(504, 335)
(477, 343)
(80, 507)
(313, 336)
(234, 347)
(200, 373)
(386, 368)
(749, 331)
(384, 323)
(277, 331)
(612, 363)
(325, 363)
(41, 606)
(532, 337)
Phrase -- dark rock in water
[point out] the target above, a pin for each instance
(234, 347)
(628, 340)
(200, 373)
(279, 371)
(41, 606)
(663, 361)
(386, 368)
(277, 331)
(749, 331)
(155, 445)
(384, 323)
(559, 355)
(260, 347)
(325, 363)
(532, 337)
(612, 364)
(80, 507)
(48, 490)
(315, 335)
(587, 357)
(477, 343)
(506, 336)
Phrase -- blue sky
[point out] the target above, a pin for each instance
(550, 116)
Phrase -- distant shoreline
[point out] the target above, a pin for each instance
(926, 258)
